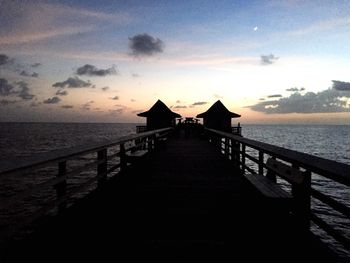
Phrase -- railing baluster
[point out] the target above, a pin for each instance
(102, 167)
(61, 188)
(123, 164)
(261, 162)
(243, 157)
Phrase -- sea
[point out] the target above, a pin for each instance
(327, 141)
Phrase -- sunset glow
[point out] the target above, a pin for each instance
(84, 61)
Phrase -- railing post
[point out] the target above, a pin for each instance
(61, 188)
(302, 200)
(101, 167)
(261, 162)
(243, 157)
(122, 156)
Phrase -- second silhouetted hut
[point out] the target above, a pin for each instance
(159, 116)
(218, 117)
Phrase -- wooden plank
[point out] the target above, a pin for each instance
(287, 172)
(267, 187)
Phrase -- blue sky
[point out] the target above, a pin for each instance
(131, 53)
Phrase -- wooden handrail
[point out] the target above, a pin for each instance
(60, 158)
(14, 164)
(338, 172)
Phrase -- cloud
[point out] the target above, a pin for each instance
(275, 96)
(67, 106)
(72, 83)
(262, 99)
(91, 70)
(115, 98)
(295, 89)
(145, 45)
(105, 88)
(180, 107)
(53, 100)
(327, 101)
(24, 92)
(5, 87)
(135, 75)
(132, 100)
(87, 105)
(341, 85)
(199, 103)
(178, 101)
(35, 65)
(217, 96)
(61, 92)
(117, 111)
(27, 74)
(7, 102)
(4, 59)
(268, 59)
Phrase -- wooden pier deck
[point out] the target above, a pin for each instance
(182, 203)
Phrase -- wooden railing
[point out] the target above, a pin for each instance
(238, 149)
(108, 160)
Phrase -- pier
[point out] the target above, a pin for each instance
(169, 196)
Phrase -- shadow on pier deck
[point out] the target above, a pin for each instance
(179, 204)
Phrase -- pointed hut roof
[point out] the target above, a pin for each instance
(218, 109)
(159, 108)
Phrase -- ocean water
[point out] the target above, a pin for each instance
(24, 139)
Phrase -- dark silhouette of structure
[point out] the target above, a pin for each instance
(159, 116)
(218, 117)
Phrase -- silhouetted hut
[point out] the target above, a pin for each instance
(159, 116)
(218, 117)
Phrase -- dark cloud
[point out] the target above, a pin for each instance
(4, 59)
(105, 88)
(53, 100)
(132, 100)
(268, 59)
(61, 92)
(67, 106)
(115, 98)
(199, 103)
(24, 91)
(180, 107)
(27, 74)
(135, 75)
(326, 101)
(341, 85)
(35, 104)
(35, 65)
(91, 70)
(262, 99)
(295, 89)
(72, 83)
(145, 45)
(7, 102)
(178, 101)
(5, 87)
(275, 96)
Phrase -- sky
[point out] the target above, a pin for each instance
(285, 61)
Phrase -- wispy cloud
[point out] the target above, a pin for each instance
(198, 103)
(26, 21)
